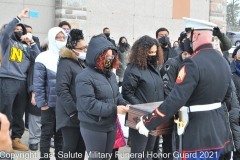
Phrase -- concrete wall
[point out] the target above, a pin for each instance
(11, 8)
(135, 18)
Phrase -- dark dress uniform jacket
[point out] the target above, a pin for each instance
(142, 86)
(205, 78)
(68, 68)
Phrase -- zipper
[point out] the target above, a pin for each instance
(111, 90)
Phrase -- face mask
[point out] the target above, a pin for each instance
(238, 63)
(107, 35)
(108, 63)
(164, 40)
(181, 45)
(82, 55)
(188, 46)
(67, 31)
(60, 44)
(152, 59)
(18, 35)
(124, 44)
(29, 35)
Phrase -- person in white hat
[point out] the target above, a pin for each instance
(203, 83)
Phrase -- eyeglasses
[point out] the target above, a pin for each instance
(109, 57)
(82, 48)
(61, 37)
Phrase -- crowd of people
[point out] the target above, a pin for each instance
(69, 93)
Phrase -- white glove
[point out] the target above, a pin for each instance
(141, 128)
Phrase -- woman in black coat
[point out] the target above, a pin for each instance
(70, 64)
(142, 83)
(98, 98)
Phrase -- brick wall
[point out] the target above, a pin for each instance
(218, 12)
(72, 11)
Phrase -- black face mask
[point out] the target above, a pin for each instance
(187, 46)
(107, 35)
(164, 40)
(181, 45)
(18, 35)
(152, 59)
(238, 63)
(123, 44)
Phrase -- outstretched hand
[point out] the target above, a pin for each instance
(24, 13)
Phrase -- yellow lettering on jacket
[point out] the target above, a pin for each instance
(16, 54)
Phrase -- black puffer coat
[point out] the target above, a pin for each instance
(68, 68)
(142, 86)
(97, 95)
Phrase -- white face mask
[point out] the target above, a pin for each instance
(82, 55)
(60, 44)
(29, 35)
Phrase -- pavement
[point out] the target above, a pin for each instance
(35, 155)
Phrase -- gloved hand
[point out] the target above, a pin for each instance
(141, 128)
(217, 32)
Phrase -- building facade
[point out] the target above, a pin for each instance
(129, 18)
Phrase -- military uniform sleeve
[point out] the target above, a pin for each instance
(169, 74)
(225, 43)
(186, 83)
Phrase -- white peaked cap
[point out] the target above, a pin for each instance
(197, 24)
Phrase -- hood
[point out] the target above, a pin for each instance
(51, 40)
(24, 31)
(96, 46)
(67, 53)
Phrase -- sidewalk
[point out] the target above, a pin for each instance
(34, 155)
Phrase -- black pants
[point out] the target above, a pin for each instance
(167, 146)
(114, 154)
(13, 100)
(236, 155)
(48, 129)
(225, 156)
(73, 142)
(98, 142)
(140, 144)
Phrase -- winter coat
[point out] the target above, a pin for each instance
(232, 111)
(225, 43)
(68, 68)
(122, 62)
(97, 94)
(236, 79)
(142, 86)
(169, 53)
(45, 68)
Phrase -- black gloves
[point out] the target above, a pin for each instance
(217, 32)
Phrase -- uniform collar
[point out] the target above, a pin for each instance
(207, 45)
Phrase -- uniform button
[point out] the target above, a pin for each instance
(147, 117)
(153, 114)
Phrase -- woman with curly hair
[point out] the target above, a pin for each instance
(70, 64)
(142, 83)
(98, 98)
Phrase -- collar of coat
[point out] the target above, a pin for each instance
(67, 53)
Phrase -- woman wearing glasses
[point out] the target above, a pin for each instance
(142, 83)
(44, 82)
(70, 64)
(98, 99)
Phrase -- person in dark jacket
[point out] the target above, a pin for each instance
(142, 83)
(70, 64)
(44, 81)
(16, 59)
(106, 32)
(162, 35)
(98, 98)
(123, 50)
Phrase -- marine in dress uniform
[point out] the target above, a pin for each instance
(203, 82)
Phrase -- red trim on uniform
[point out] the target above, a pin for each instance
(184, 155)
(147, 121)
(181, 75)
(195, 53)
(159, 113)
(207, 148)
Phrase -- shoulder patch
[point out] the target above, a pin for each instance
(181, 75)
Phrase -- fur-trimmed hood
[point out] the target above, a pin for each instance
(67, 53)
